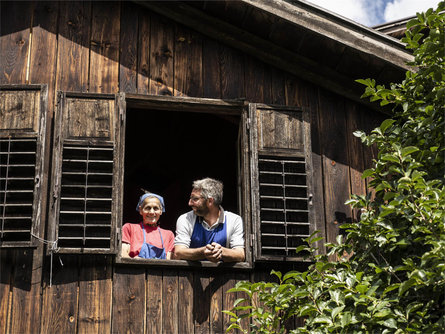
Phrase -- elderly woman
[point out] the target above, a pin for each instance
(146, 239)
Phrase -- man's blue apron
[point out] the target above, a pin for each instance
(149, 251)
(202, 237)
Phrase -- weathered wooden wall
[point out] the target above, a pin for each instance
(107, 47)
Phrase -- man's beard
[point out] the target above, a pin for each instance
(201, 211)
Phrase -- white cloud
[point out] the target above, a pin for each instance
(399, 9)
(373, 12)
(362, 11)
(352, 9)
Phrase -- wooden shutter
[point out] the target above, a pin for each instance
(281, 180)
(22, 143)
(86, 172)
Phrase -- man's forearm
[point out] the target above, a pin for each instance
(233, 254)
(193, 254)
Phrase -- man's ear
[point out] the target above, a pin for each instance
(211, 201)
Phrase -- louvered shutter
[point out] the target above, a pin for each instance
(22, 144)
(281, 181)
(87, 172)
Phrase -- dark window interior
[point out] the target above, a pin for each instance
(165, 151)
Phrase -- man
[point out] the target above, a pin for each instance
(209, 232)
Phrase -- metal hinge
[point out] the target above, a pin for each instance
(248, 123)
(252, 239)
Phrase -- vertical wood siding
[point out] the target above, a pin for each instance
(107, 47)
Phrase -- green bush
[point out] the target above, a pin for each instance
(394, 279)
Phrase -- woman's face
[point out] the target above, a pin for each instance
(150, 210)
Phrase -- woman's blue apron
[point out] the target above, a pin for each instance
(149, 251)
(202, 237)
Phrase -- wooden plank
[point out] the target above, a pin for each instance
(211, 69)
(335, 162)
(243, 276)
(5, 286)
(254, 79)
(228, 298)
(216, 288)
(277, 87)
(73, 46)
(154, 301)
(128, 50)
(26, 293)
(20, 111)
(128, 314)
(143, 71)
(95, 289)
(104, 47)
(188, 63)
(185, 297)
(355, 153)
(161, 56)
(201, 302)
(232, 73)
(60, 300)
(305, 95)
(170, 303)
(15, 23)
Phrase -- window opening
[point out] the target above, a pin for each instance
(166, 150)
(17, 178)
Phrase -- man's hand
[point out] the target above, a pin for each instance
(213, 252)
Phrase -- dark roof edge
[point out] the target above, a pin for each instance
(350, 23)
(337, 28)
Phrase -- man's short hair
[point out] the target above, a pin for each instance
(210, 188)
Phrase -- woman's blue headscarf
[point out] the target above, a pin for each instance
(144, 196)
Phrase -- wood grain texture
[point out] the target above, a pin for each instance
(143, 68)
(128, 314)
(216, 303)
(232, 73)
(5, 284)
(104, 47)
(305, 95)
(161, 56)
(228, 298)
(95, 290)
(60, 300)
(15, 24)
(128, 50)
(335, 162)
(26, 292)
(73, 46)
(201, 302)
(355, 153)
(187, 63)
(170, 304)
(20, 111)
(211, 69)
(154, 301)
(185, 300)
(254, 80)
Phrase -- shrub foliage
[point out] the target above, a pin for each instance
(394, 280)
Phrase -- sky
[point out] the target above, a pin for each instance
(375, 12)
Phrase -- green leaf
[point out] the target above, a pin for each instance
(386, 124)
(409, 150)
(390, 323)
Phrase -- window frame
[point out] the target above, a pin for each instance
(196, 105)
(60, 137)
(41, 121)
(256, 148)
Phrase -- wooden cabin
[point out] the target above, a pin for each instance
(101, 99)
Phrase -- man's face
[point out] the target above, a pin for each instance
(198, 203)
